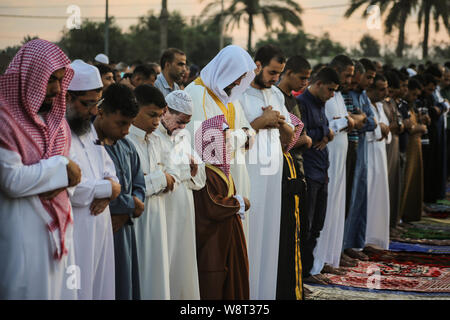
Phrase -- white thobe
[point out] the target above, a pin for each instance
(205, 108)
(329, 245)
(180, 218)
(265, 169)
(377, 229)
(151, 227)
(28, 269)
(93, 236)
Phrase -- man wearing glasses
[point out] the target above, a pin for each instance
(93, 237)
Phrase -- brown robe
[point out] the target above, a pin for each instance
(221, 249)
(412, 201)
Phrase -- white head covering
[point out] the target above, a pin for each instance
(181, 101)
(227, 66)
(411, 72)
(102, 58)
(86, 77)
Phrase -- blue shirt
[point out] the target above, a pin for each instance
(163, 86)
(130, 175)
(362, 102)
(315, 162)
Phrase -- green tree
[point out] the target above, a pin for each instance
(85, 43)
(399, 11)
(432, 10)
(303, 44)
(369, 46)
(285, 11)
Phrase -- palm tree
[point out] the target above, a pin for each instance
(438, 9)
(286, 11)
(396, 18)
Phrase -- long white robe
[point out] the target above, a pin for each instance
(377, 229)
(28, 269)
(151, 227)
(265, 169)
(93, 236)
(204, 108)
(180, 218)
(329, 245)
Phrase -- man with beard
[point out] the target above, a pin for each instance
(112, 123)
(36, 215)
(180, 211)
(264, 107)
(93, 238)
(173, 65)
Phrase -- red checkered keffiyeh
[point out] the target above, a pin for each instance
(210, 143)
(23, 90)
(296, 122)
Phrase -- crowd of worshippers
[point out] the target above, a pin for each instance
(243, 179)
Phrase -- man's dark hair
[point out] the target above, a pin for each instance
(434, 71)
(169, 55)
(402, 75)
(412, 66)
(340, 63)
(119, 97)
(414, 84)
(428, 78)
(447, 64)
(378, 77)
(368, 65)
(297, 64)
(147, 94)
(144, 70)
(103, 68)
(326, 75)
(392, 79)
(268, 52)
(359, 68)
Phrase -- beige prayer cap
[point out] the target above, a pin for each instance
(180, 101)
(86, 77)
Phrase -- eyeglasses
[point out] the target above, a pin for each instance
(92, 104)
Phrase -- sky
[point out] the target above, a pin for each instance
(319, 16)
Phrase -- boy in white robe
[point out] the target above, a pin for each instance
(160, 178)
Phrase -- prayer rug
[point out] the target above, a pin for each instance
(332, 292)
(376, 280)
(402, 257)
(426, 233)
(395, 269)
(403, 246)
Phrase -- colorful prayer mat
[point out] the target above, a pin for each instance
(334, 292)
(395, 269)
(376, 280)
(402, 257)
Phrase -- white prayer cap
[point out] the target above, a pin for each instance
(102, 58)
(180, 101)
(411, 72)
(86, 77)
